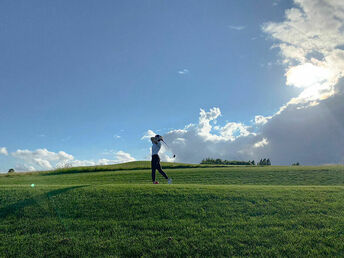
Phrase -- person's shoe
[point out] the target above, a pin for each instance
(169, 181)
(156, 182)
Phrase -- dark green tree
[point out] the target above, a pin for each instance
(268, 162)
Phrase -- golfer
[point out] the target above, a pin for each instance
(156, 141)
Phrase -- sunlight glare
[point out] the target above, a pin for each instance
(307, 75)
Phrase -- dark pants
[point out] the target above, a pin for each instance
(156, 165)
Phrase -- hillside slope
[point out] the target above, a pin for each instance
(207, 212)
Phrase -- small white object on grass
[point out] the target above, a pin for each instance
(32, 185)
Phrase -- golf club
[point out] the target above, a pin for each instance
(168, 147)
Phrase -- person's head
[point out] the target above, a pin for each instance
(158, 137)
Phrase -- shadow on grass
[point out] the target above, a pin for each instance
(20, 205)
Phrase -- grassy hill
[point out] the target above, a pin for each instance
(208, 211)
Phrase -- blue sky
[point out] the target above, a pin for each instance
(90, 78)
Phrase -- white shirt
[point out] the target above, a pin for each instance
(156, 147)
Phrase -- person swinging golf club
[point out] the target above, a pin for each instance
(156, 141)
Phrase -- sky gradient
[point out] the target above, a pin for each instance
(87, 82)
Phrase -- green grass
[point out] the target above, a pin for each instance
(208, 211)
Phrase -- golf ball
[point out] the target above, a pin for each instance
(32, 185)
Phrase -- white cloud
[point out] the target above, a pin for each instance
(233, 27)
(3, 151)
(24, 168)
(308, 40)
(122, 156)
(261, 143)
(179, 141)
(261, 120)
(148, 135)
(45, 164)
(183, 71)
(197, 141)
(42, 154)
(204, 126)
(229, 132)
(42, 159)
(119, 157)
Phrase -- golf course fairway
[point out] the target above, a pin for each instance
(208, 211)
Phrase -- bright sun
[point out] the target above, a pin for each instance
(307, 75)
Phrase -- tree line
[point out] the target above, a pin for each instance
(262, 162)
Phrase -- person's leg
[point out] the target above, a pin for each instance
(160, 170)
(153, 164)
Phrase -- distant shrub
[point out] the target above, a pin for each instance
(11, 170)
(296, 164)
(225, 162)
(264, 162)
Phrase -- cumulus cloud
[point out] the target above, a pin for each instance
(311, 136)
(261, 120)
(261, 143)
(122, 156)
(148, 135)
(42, 154)
(205, 139)
(24, 167)
(229, 132)
(309, 40)
(42, 159)
(3, 151)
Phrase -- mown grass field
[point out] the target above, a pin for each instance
(209, 211)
